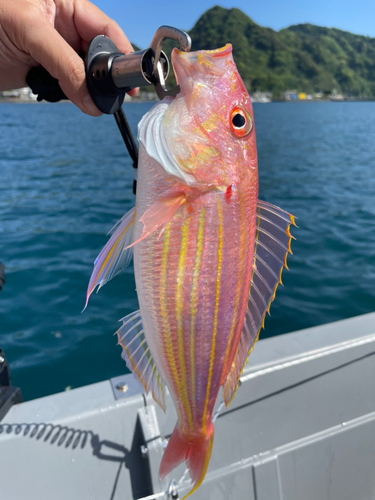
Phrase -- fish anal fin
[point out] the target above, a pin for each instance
(272, 245)
(138, 358)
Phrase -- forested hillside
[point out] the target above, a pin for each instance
(304, 57)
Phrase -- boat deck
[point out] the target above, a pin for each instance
(302, 426)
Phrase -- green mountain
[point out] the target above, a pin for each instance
(304, 57)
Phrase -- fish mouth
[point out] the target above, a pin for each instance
(190, 65)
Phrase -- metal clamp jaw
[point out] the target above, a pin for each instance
(164, 33)
(110, 74)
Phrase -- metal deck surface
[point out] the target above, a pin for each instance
(301, 427)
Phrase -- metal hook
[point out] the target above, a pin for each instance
(163, 33)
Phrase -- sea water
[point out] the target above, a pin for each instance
(66, 178)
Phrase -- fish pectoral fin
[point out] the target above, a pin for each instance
(116, 255)
(272, 245)
(159, 215)
(138, 358)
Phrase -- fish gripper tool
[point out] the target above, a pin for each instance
(110, 74)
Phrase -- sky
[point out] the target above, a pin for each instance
(139, 20)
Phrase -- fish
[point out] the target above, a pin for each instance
(208, 254)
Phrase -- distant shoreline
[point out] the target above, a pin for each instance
(139, 101)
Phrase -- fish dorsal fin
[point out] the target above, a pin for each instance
(116, 255)
(137, 356)
(272, 245)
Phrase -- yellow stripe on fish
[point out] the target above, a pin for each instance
(163, 306)
(214, 332)
(194, 297)
(243, 232)
(179, 308)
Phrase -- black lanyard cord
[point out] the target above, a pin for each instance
(127, 135)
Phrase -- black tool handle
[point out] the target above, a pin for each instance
(44, 85)
(4, 371)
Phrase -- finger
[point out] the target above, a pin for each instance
(133, 92)
(48, 48)
(91, 21)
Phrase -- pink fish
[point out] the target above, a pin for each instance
(208, 254)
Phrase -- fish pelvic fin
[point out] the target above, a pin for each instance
(272, 245)
(138, 358)
(115, 256)
(195, 452)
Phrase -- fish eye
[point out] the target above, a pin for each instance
(238, 121)
(241, 122)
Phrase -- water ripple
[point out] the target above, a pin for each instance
(66, 179)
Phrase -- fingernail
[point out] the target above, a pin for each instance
(89, 106)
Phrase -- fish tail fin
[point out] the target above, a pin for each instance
(196, 454)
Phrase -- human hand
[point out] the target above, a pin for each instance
(51, 33)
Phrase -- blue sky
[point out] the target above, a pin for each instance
(139, 20)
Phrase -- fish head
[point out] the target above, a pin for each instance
(209, 126)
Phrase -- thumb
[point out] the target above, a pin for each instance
(47, 47)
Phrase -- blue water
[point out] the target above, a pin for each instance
(65, 179)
